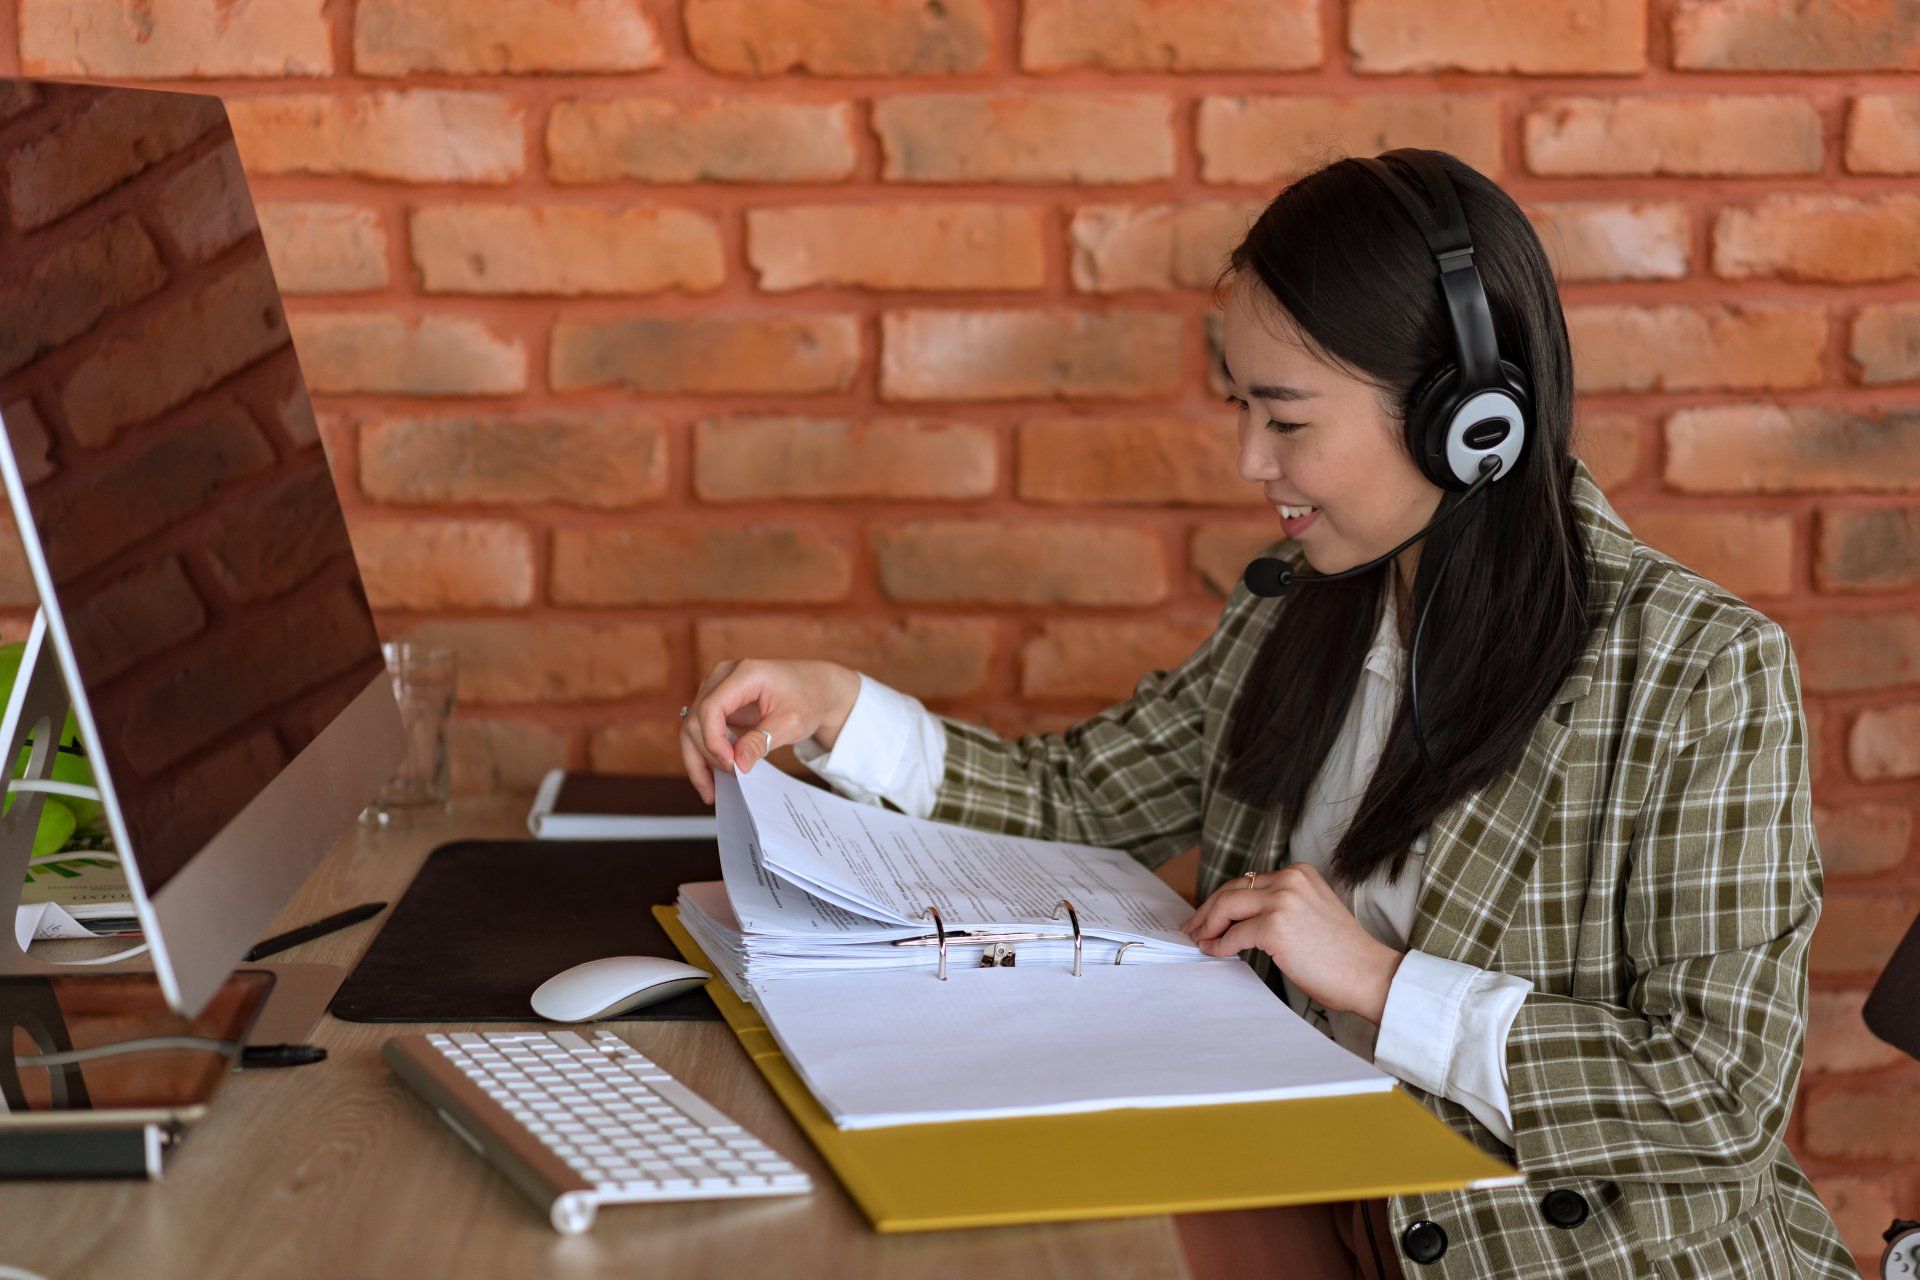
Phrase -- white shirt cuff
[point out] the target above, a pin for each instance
(891, 747)
(1445, 1030)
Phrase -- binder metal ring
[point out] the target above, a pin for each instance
(941, 929)
(1121, 954)
(1074, 916)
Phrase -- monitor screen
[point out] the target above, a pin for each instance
(182, 510)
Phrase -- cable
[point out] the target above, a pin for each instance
(1379, 1267)
(143, 1044)
(1433, 592)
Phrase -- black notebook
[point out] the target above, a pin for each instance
(574, 805)
(487, 921)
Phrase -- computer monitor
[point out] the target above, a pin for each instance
(182, 553)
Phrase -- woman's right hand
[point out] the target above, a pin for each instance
(790, 699)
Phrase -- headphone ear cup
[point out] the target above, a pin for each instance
(1429, 410)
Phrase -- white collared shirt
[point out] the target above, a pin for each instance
(1445, 1026)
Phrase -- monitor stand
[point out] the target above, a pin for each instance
(36, 710)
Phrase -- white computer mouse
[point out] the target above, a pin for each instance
(618, 984)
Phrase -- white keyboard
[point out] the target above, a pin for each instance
(576, 1123)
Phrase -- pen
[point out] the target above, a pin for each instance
(318, 929)
(255, 1056)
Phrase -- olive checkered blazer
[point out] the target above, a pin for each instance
(1648, 864)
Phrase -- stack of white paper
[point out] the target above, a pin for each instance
(817, 889)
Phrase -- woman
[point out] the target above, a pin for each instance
(1569, 903)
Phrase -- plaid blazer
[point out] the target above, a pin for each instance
(1648, 864)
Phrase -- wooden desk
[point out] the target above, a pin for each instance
(337, 1172)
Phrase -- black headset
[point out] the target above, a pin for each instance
(1467, 422)
(1479, 405)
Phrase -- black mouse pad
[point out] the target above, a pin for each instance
(486, 921)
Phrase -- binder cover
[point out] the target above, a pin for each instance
(1115, 1164)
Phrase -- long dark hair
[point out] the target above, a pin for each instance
(1359, 284)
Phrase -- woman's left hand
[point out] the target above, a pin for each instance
(1294, 916)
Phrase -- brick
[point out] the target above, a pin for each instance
(564, 249)
(99, 147)
(1861, 1208)
(1037, 354)
(884, 459)
(708, 353)
(1746, 553)
(1837, 1038)
(942, 657)
(1120, 247)
(444, 564)
(140, 373)
(1219, 552)
(1862, 839)
(722, 140)
(166, 39)
(148, 611)
(17, 589)
(1807, 35)
(490, 757)
(1146, 35)
(649, 746)
(169, 711)
(149, 489)
(290, 412)
(1870, 1122)
(898, 246)
(1885, 343)
(283, 536)
(1608, 240)
(865, 38)
(1858, 931)
(320, 247)
(544, 660)
(1152, 461)
(1574, 37)
(1764, 448)
(17, 97)
(1869, 550)
(66, 290)
(1885, 743)
(1103, 659)
(1678, 135)
(998, 562)
(1697, 348)
(1824, 239)
(373, 351)
(1842, 652)
(763, 563)
(1610, 445)
(205, 207)
(26, 434)
(1269, 138)
(397, 37)
(1883, 133)
(608, 460)
(1025, 137)
(410, 135)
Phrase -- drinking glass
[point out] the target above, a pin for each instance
(423, 685)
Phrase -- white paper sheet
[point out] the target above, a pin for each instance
(890, 866)
(882, 1049)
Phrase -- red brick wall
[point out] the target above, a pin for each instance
(649, 333)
